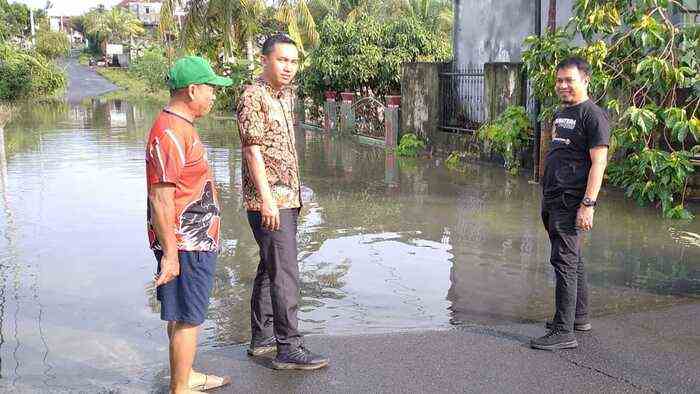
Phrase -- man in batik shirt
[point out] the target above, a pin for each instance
(272, 198)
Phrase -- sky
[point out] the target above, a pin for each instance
(67, 7)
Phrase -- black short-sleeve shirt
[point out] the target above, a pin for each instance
(577, 129)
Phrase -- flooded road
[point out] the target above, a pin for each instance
(386, 244)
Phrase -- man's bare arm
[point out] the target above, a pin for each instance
(599, 159)
(161, 198)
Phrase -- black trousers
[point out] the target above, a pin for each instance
(571, 294)
(275, 299)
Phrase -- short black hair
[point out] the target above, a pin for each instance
(577, 62)
(277, 38)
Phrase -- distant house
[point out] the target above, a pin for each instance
(60, 23)
(148, 11)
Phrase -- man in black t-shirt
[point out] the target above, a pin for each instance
(573, 173)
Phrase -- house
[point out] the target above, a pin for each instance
(148, 11)
(494, 30)
(60, 23)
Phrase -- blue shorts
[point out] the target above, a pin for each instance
(186, 298)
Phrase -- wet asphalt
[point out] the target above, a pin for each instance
(640, 352)
(654, 351)
(84, 82)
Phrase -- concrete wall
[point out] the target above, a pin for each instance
(493, 30)
(420, 95)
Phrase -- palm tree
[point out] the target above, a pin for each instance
(232, 24)
(344, 9)
(300, 24)
(115, 24)
(437, 15)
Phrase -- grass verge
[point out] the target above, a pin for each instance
(132, 88)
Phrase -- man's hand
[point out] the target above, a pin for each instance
(584, 218)
(270, 215)
(169, 269)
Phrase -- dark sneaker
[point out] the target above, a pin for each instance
(555, 340)
(299, 358)
(579, 325)
(258, 347)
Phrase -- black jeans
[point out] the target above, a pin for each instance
(571, 294)
(275, 299)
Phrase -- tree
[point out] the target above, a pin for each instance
(296, 16)
(368, 53)
(53, 44)
(344, 9)
(437, 15)
(77, 23)
(116, 24)
(552, 16)
(14, 20)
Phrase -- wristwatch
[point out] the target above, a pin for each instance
(587, 202)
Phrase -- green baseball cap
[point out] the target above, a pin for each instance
(194, 70)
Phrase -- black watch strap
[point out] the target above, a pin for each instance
(588, 202)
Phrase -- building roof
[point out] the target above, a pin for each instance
(126, 3)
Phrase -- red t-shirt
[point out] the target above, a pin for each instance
(175, 154)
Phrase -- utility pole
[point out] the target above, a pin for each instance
(31, 21)
(538, 105)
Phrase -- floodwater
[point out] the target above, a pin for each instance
(385, 244)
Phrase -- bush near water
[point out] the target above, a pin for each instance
(27, 74)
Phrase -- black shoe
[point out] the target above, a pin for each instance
(555, 340)
(299, 358)
(258, 347)
(579, 325)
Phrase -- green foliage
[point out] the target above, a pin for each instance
(14, 20)
(241, 74)
(53, 44)
(84, 58)
(368, 53)
(454, 160)
(115, 26)
(132, 88)
(652, 175)
(152, 68)
(507, 134)
(645, 71)
(27, 74)
(410, 145)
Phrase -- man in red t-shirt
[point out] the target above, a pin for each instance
(183, 217)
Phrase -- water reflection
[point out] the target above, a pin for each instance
(385, 243)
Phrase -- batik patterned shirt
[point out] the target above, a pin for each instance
(265, 119)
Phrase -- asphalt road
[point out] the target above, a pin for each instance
(642, 352)
(83, 82)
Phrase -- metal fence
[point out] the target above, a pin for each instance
(462, 93)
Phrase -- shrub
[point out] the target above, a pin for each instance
(27, 74)
(507, 135)
(368, 53)
(410, 145)
(152, 68)
(53, 44)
